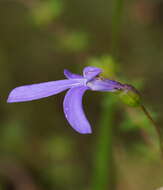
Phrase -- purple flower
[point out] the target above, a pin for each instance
(72, 105)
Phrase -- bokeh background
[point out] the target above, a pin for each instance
(38, 148)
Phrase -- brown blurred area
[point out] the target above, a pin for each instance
(38, 40)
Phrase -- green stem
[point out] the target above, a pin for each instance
(103, 174)
(103, 177)
(116, 24)
(157, 128)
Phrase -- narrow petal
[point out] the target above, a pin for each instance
(90, 72)
(41, 90)
(70, 75)
(103, 85)
(73, 110)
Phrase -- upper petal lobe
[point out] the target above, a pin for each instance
(70, 75)
(91, 72)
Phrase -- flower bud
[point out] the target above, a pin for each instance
(130, 96)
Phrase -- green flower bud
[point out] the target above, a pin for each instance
(130, 96)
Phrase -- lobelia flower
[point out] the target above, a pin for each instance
(77, 85)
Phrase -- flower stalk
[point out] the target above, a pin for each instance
(157, 128)
(104, 173)
(103, 176)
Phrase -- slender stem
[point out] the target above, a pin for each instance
(116, 24)
(157, 128)
(104, 172)
(103, 177)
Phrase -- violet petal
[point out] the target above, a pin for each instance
(90, 72)
(70, 75)
(103, 85)
(41, 90)
(73, 110)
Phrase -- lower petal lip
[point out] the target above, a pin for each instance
(42, 90)
(73, 110)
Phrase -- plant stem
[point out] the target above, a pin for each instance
(104, 173)
(104, 177)
(157, 128)
(116, 24)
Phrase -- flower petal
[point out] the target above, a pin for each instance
(70, 75)
(90, 72)
(103, 85)
(74, 111)
(41, 90)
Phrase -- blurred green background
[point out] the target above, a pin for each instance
(38, 148)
